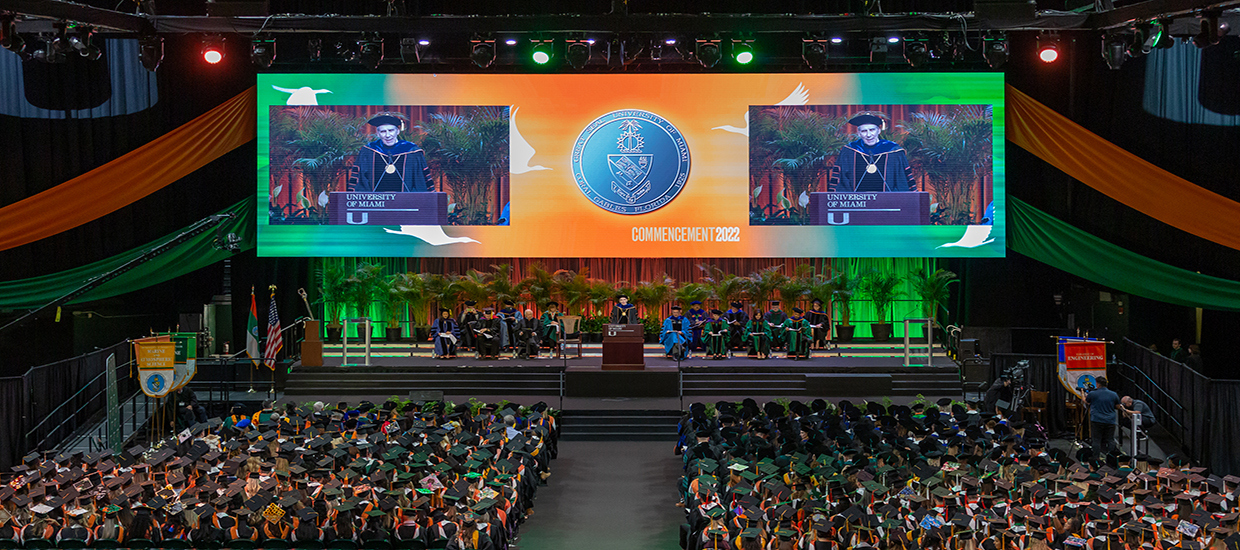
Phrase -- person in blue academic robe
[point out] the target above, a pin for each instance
(674, 337)
(697, 319)
(624, 313)
(871, 164)
(509, 316)
(445, 333)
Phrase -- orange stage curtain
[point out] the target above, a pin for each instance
(131, 177)
(1119, 174)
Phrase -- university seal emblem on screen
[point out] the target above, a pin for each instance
(630, 161)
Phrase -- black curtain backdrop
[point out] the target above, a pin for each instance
(1043, 375)
(47, 404)
(13, 412)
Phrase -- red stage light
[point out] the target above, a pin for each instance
(212, 53)
(1049, 54)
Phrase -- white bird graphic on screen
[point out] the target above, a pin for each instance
(432, 234)
(519, 150)
(974, 236)
(799, 96)
(304, 95)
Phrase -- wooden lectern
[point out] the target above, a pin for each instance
(348, 208)
(623, 347)
(312, 346)
(890, 208)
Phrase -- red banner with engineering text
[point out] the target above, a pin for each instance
(1085, 355)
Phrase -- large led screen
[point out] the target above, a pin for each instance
(632, 165)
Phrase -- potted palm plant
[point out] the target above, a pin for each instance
(333, 287)
(763, 285)
(724, 287)
(541, 286)
(392, 304)
(601, 292)
(882, 288)
(953, 152)
(322, 144)
(841, 287)
(932, 289)
(469, 152)
(363, 288)
(651, 296)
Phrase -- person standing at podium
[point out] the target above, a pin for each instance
(390, 164)
(871, 164)
(624, 313)
(675, 343)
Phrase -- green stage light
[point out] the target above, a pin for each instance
(743, 52)
(542, 53)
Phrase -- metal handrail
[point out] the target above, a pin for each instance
(1166, 412)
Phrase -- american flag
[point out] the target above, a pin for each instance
(275, 342)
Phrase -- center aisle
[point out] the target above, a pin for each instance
(607, 495)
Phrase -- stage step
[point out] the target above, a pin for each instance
(619, 425)
(934, 381)
(451, 381)
(894, 348)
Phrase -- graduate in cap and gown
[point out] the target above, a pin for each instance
(446, 334)
(716, 335)
(775, 320)
(697, 318)
(624, 313)
(468, 341)
(390, 164)
(737, 320)
(799, 334)
(674, 338)
(871, 164)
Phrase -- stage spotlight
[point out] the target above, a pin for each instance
(81, 42)
(670, 41)
(837, 40)
(542, 52)
(1114, 51)
(577, 53)
(213, 49)
(1212, 30)
(917, 51)
(151, 52)
(1156, 35)
(50, 51)
(1048, 47)
(656, 50)
(878, 50)
(370, 52)
(510, 41)
(10, 39)
(482, 52)
(708, 52)
(814, 53)
(893, 39)
(742, 51)
(263, 52)
(995, 49)
(412, 50)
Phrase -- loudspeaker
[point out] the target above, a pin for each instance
(969, 347)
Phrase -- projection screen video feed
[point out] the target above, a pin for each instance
(632, 165)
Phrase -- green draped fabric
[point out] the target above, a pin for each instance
(185, 257)
(907, 304)
(1044, 238)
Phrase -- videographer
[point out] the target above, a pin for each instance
(1001, 390)
(1103, 406)
(1132, 407)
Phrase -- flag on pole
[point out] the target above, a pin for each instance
(275, 341)
(251, 329)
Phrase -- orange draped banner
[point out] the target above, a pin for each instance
(1119, 174)
(133, 176)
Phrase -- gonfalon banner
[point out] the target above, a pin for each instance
(689, 165)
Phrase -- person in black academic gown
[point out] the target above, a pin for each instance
(467, 319)
(820, 322)
(871, 164)
(390, 164)
(736, 318)
(624, 313)
(488, 330)
(529, 335)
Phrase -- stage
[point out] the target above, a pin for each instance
(861, 369)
